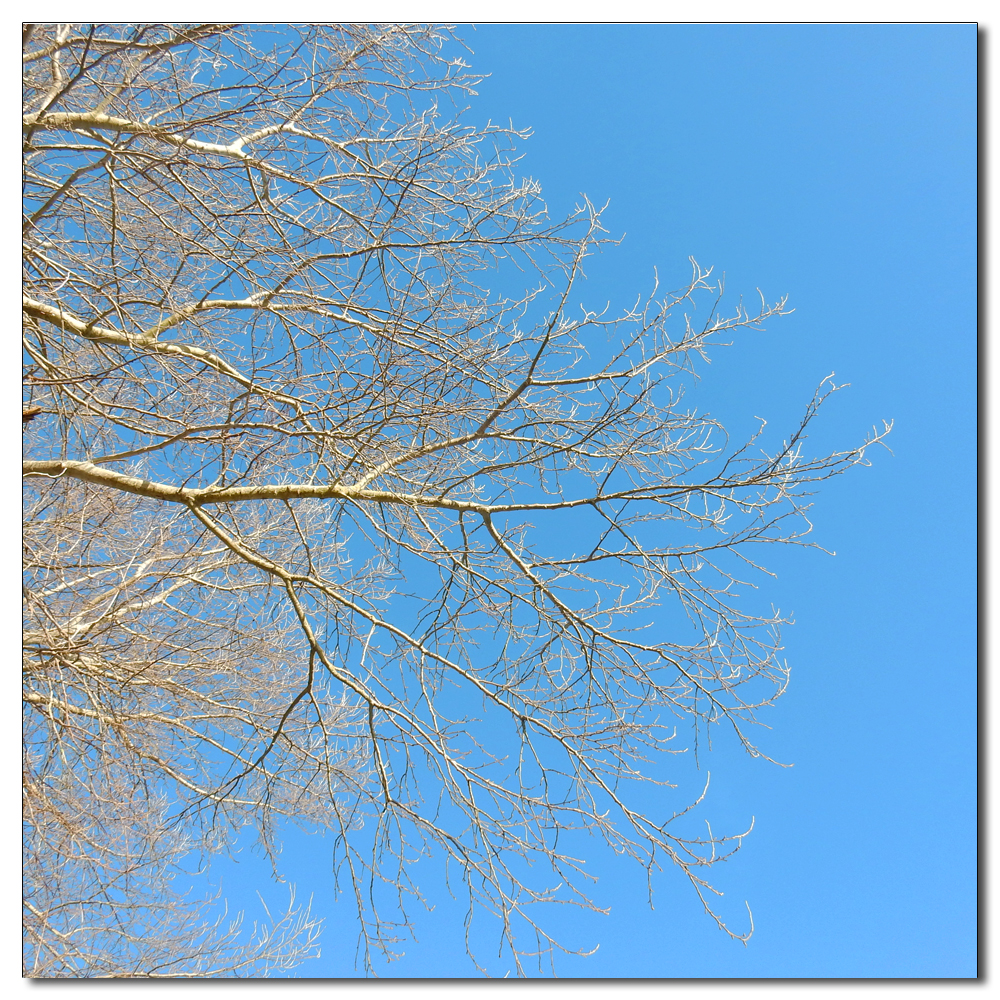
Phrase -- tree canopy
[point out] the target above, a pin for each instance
(343, 511)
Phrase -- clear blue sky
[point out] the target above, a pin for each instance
(835, 163)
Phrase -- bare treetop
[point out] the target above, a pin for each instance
(344, 528)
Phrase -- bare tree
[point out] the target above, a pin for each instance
(324, 529)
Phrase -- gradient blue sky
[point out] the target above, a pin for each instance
(835, 163)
